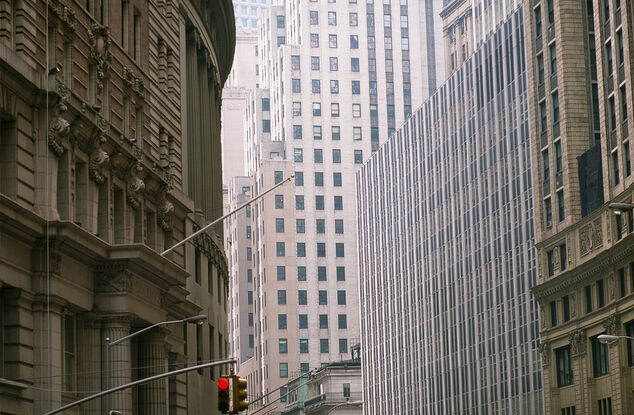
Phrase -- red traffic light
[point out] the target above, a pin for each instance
(223, 384)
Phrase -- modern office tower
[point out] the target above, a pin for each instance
(337, 78)
(248, 12)
(579, 66)
(109, 154)
(446, 248)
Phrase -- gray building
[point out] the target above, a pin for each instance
(337, 79)
(446, 247)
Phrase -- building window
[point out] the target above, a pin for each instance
(321, 273)
(299, 178)
(608, 57)
(341, 297)
(323, 346)
(354, 64)
(332, 18)
(318, 156)
(346, 390)
(600, 293)
(303, 345)
(615, 168)
(555, 101)
(281, 321)
(334, 109)
(558, 162)
(334, 86)
(319, 202)
(542, 117)
(538, 21)
(314, 63)
(600, 357)
(314, 40)
(342, 321)
(249, 254)
(323, 297)
(339, 250)
(301, 272)
(353, 19)
(357, 133)
(335, 132)
(336, 179)
(298, 155)
(623, 97)
(319, 178)
(588, 291)
(321, 250)
(301, 249)
(546, 165)
(323, 321)
(553, 313)
(296, 86)
(295, 62)
(300, 226)
(605, 404)
(280, 22)
(334, 64)
(619, 46)
(316, 109)
(358, 156)
(565, 301)
(279, 225)
(563, 257)
(70, 352)
(316, 132)
(302, 297)
(280, 249)
(281, 273)
(622, 282)
(250, 297)
(297, 109)
(540, 69)
(548, 212)
(560, 205)
(564, 366)
(339, 226)
(332, 41)
(629, 331)
(283, 345)
(283, 370)
(354, 41)
(320, 225)
(281, 297)
(314, 17)
(553, 58)
(316, 86)
(283, 394)
(303, 321)
(551, 12)
(336, 155)
(338, 202)
(356, 110)
(299, 202)
(343, 345)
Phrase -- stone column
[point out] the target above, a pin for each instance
(578, 346)
(177, 386)
(153, 361)
(116, 327)
(89, 359)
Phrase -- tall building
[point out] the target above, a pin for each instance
(580, 88)
(446, 247)
(109, 154)
(336, 79)
(248, 12)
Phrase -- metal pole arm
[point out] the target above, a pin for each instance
(138, 382)
(143, 330)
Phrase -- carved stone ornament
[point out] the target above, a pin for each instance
(544, 350)
(612, 324)
(99, 39)
(63, 12)
(577, 342)
(135, 186)
(590, 237)
(164, 214)
(133, 81)
(98, 158)
(59, 127)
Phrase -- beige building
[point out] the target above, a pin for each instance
(580, 83)
(458, 40)
(110, 152)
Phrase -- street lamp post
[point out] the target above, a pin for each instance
(339, 405)
(609, 338)
(194, 319)
(620, 207)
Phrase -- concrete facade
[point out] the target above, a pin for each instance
(446, 247)
(336, 78)
(579, 65)
(109, 154)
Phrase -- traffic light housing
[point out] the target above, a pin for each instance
(239, 394)
(223, 395)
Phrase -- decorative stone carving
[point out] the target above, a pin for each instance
(577, 342)
(591, 237)
(133, 81)
(106, 282)
(99, 39)
(556, 262)
(135, 186)
(544, 350)
(573, 306)
(612, 324)
(98, 157)
(59, 127)
(64, 13)
(164, 214)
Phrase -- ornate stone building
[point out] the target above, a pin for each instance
(110, 153)
(580, 87)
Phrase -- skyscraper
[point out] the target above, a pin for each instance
(579, 66)
(446, 248)
(338, 78)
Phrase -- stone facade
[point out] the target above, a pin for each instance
(579, 66)
(109, 154)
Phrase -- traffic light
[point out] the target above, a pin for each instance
(223, 395)
(239, 394)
